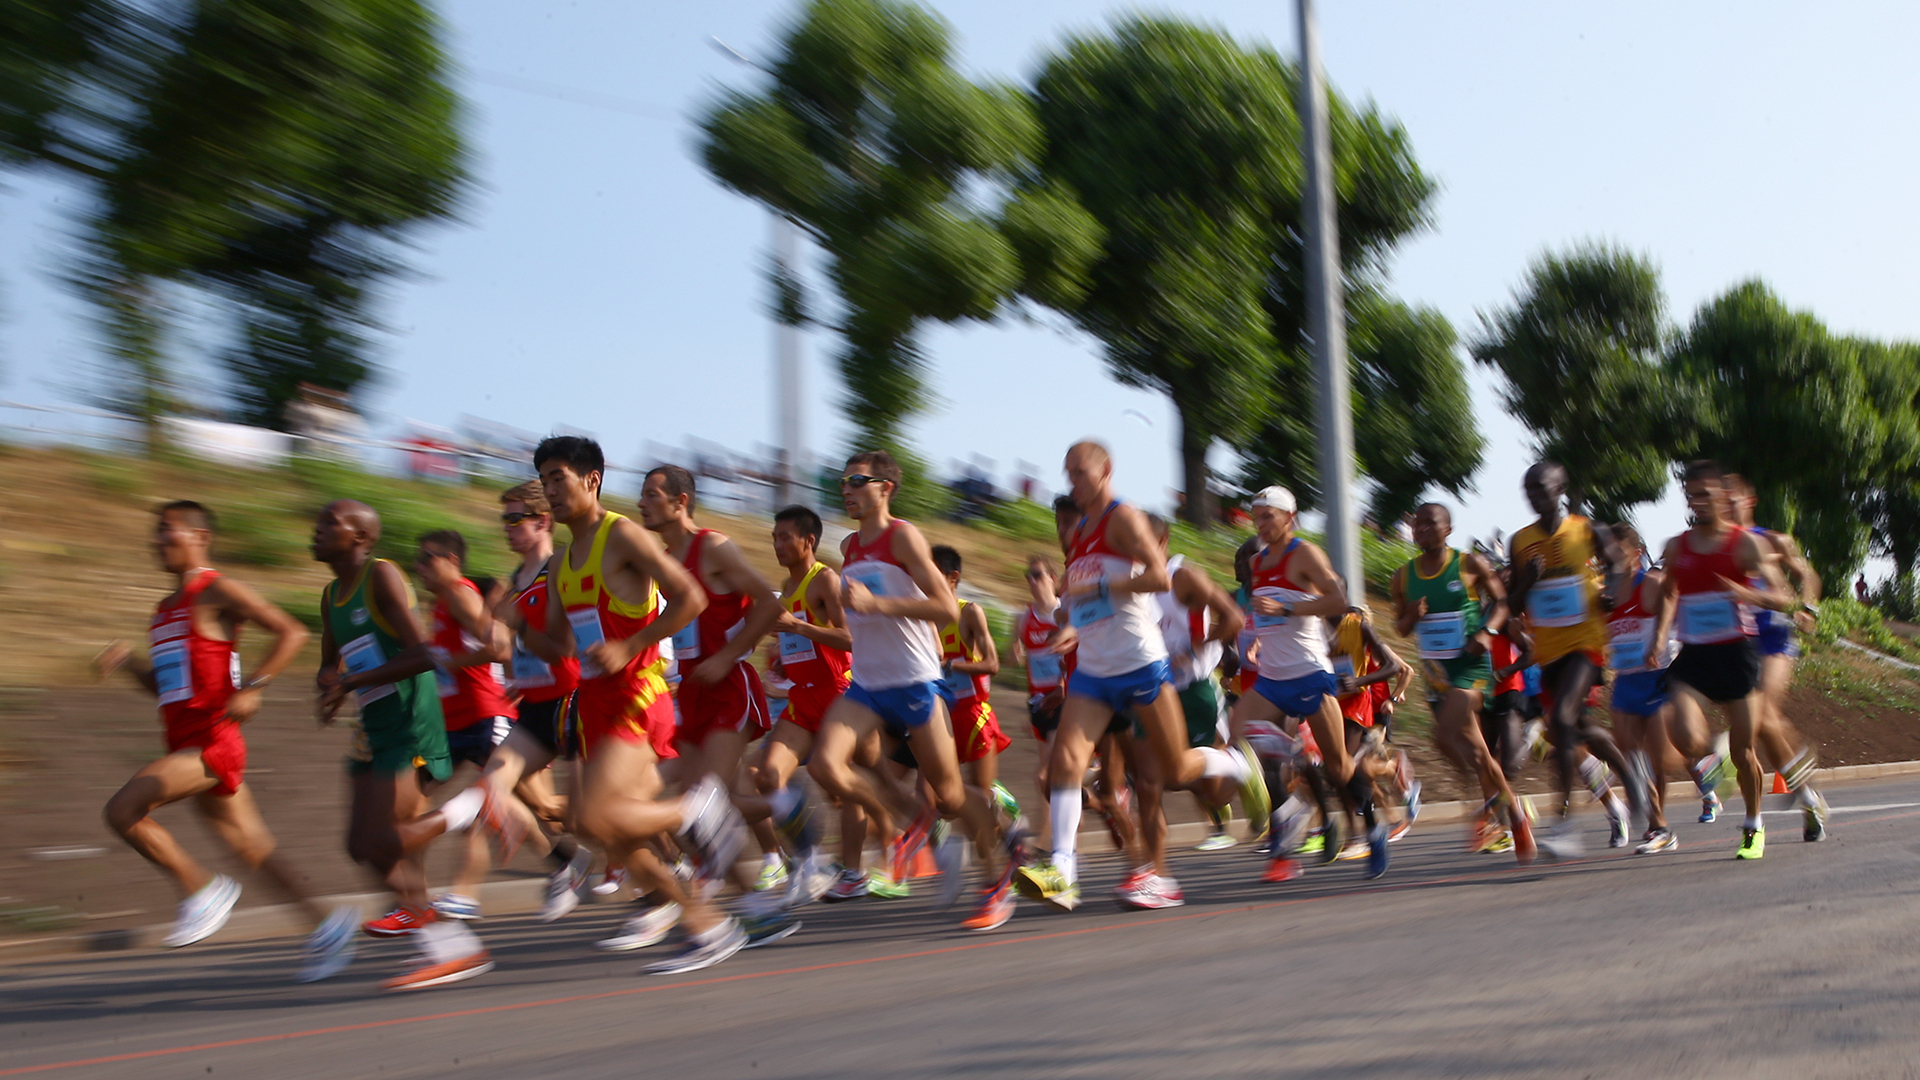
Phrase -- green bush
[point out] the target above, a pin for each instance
(408, 509)
(256, 534)
(1844, 617)
(1021, 519)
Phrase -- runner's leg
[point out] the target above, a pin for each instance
(177, 776)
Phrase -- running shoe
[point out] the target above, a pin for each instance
(1135, 881)
(456, 906)
(1499, 842)
(511, 829)
(1377, 854)
(772, 876)
(1753, 844)
(650, 927)
(449, 953)
(398, 923)
(1520, 837)
(908, 844)
(884, 887)
(1813, 814)
(1710, 772)
(203, 914)
(330, 947)
(1217, 842)
(948, 857)
(1004, 801)
(793, 819)
(565, 886)
(723, 941)
(1314, 844)
(1280, 869)
(996, 907)
(1044, 882)
(1400, 829)
(1534, 738)
(1561, 842)
(777, 925)
(1619, 831)
(849, 885)
(1710, 807)
(1254, 799)
(1330, 835)
(1161, 892)
(1288, 828)
(810, 881)
(1413, 801)
(1657, 840)
(610, 882)
(712, 830)
(1355, 848)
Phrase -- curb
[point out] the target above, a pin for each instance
(521, 895)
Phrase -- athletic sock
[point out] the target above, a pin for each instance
(1797, 772)
(1751, 823)
(460, 811)
(1063, 813)
(1226, 764)
(564, 849)
(1597, 776)
(1217, 815)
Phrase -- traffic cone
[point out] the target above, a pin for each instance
(1780, 785)
(923, 864)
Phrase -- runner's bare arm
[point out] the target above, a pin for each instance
(726, 562)
(1619, 576)
(633, 547)
(1390, 662)
(1516, 632)
(1493, 603)
(1194, 588)
(823, 595)
(977, 638)
(1798, 570)
(388, 591)
(1405, 615)
(1669, 592)
(1761, 562)
(910, 550)
(1128, 535)
(239, 603)
(469, 609)
(118, 657)
(1311, 572)
(558, 633)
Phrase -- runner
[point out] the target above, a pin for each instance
(1032, 629)
(1566, 602)
(969, 663)
(894, 597)
(1455, 604)
(1640, 708)
(1706, 587)
(372, 647)
(609, 585)
(193, 668)
(1196, 619)
(1113, 571)
(1370, 673)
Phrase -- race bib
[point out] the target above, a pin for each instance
(1709, 617)
(1342, 666)
(1558, 601)
(361, 655)
(1627, 644)
(172, 674)
(959, 684)
(796, 648)
(1269, 622)
(586, 634)
(1091, 608)
(1442, 635)
(871, 575)
(1043, 669)
(529, 671)
(686, 641)
(442, 675)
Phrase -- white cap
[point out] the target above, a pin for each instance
(1276, 497)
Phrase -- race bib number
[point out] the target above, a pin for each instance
(686, 642)
(586, 634)
(796, 648)
(529, 671)
(443, 675)
(172, 674)
(959, 684)
(1627, 644)
(361, 655)
(1090, 608)
(1043, 669)
(870, 575)
(1558, 601)
(1709, 617)
(1442, 635)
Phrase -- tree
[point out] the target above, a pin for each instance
(1581, 348)
(870, 140)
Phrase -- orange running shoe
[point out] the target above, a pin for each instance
(398, 923)
(1281, 869)
(452, 971)
(1523, 846)
(996, 907)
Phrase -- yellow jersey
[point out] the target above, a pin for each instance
(1563, 609)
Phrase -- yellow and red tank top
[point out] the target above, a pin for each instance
(195, 675)
(597, 615)
(807, 662)
(962, 686)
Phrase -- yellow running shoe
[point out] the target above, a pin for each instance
(1753, 844)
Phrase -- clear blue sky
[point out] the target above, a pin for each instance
(602, 282)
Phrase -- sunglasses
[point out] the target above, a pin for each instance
(1036, 575)
(860, 480)
(515, 517)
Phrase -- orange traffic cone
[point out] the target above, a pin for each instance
(1779, 784)
(923, 864)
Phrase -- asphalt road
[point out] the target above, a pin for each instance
(1688, 964)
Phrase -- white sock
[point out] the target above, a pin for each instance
(1064, 815)
(1227, 764)
(1751, 823)
(462, 809)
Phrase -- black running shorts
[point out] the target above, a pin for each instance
(1721, 672)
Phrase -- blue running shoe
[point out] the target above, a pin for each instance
(1376, 850)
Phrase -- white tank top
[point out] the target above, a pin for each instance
(1118, 632)
(1180, 627)
(888, 652)
(1291, 646)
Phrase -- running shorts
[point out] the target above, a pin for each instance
(1206, 714)
(976, 730)
(1045, 719)
(631, 710)
(222, 750)
(476, 741)
(1640, 693)
(551, 723)
(900, 708)
(1720, 672)
(416, 748)
(807, 706)
(1141, 686)
(1776, 637)
(1301, 696)
(735, 703)
(1459, 673)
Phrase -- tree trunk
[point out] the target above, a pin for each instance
(1201, 509)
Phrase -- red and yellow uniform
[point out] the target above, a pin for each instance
(976, 730)
(195, 677)
(1351, 656)
(818, 673)
(632, 703)
(1563, 608)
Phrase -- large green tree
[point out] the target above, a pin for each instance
(1581, 347)
(896, 165)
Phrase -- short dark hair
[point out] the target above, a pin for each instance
(878, 463)
(946, 558)
(1624, 533)
(1442, 507)
(1703, 469)
(676, 480)
(450, 539)
(1064, 503)
(484, 584)
(582, 455)
(197, 515)
(803, 519)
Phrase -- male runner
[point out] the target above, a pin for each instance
(1639, 701)
(372, 647)
(1113, 570)
(1453, 604)
(608, 585)
(192, 667)
(1032, 629)
(1707, 590)
(1196, 618)
(894, 598)
(969, 662)
(1566, 603)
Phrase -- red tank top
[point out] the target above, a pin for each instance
(468, 695)
(533, 678)
(194, 674)
(807, 662)
(1049, 670)
(708, 633)
(1502, 653)
(1708, 614)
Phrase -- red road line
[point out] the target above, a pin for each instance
(890, 958)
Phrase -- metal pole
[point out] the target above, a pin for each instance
(788, 405)
(1326, 316)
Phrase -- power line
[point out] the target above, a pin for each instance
(573, 96)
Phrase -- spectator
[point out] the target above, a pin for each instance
(1860, 590)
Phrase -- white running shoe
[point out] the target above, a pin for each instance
(204, 913)
(1560, 842)
(611, 881)
(331, 946)
(650, 927)
(565, 886)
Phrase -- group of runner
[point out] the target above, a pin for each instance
(630, 651)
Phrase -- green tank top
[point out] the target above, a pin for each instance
(1453, 612)
(409, 708)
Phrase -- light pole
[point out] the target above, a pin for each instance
(1326, 316)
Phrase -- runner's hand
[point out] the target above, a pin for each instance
(856, 597)
(1745, 593)
(608, 656)
(1348, 685)
(333, 693)
(1420, 608)
(1804, 622)
(112, 658)
(787, 623)
(708, 671)
(1477, 645)
(1063, 641)
(1266, 605)
(243, 705)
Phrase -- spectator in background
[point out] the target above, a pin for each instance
(1860, 590)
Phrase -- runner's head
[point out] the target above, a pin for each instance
(441, 559)
(1705, 483)
(666, 497)
(1273, 514)
(868, 483)
(1043, 579)
(342, 527)
(1740, 491)
(1089, 475)
(1243, 560)
(948, 560)
(571, 470)
(1066, 514)
(1545, 483)
(1432, 524)
(796, 535)
(1628, 539)
(527, 517)
(1162, 530)
(182, 533)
